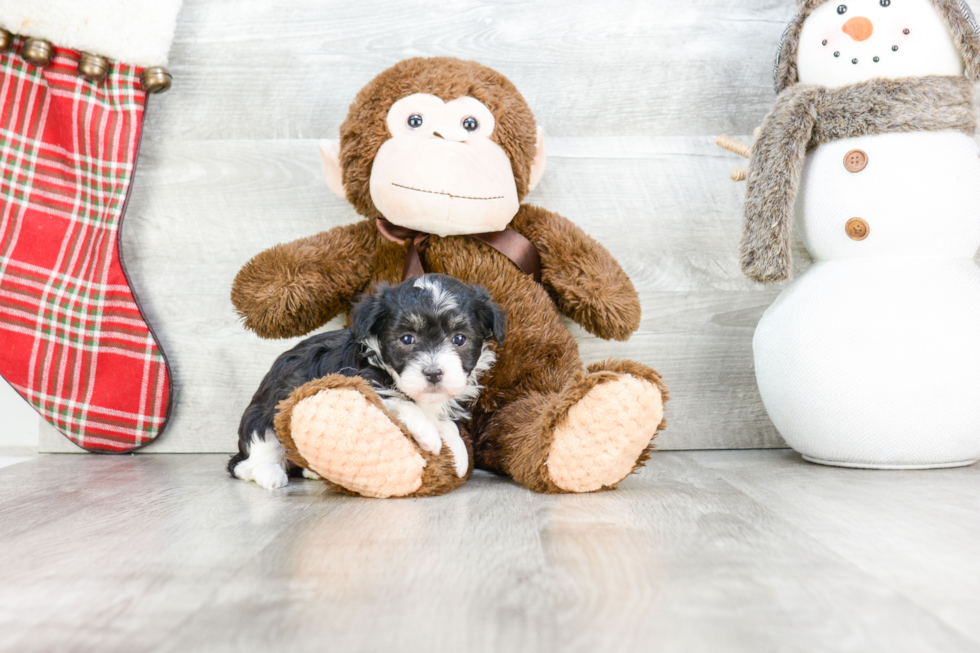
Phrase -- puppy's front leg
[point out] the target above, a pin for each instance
(418, 424)
(450, 435)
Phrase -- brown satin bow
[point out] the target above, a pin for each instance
(508, 242)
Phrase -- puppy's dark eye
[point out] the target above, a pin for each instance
(842, 9)
(408, 340)
(470, 124)
(415, 121)
(459, 340)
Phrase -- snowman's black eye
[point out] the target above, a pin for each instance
(470, 124)
(415, 121)
(842, 9)
(885, 3)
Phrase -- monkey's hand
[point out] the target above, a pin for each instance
(587, 283)
(290, 289)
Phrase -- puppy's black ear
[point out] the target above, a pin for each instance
(491, 316)
(368, 314)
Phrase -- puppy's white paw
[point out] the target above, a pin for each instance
(313, 476)
(266, 462)
(270, 476)
(426, 435)
(417, 422)
(450, 436)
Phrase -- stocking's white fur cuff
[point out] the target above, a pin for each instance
(136, 32)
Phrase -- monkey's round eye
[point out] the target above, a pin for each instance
(408, 340)
(885, 3)
(415, 121)
(459, 340)
(470, 124)
(842, 9)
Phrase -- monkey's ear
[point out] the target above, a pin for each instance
(537, 165)
(330, 165)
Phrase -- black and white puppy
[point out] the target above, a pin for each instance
(422, 345)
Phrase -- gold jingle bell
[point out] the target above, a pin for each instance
(6, 40)
(93, 67)
(37, 52)
(156, 79)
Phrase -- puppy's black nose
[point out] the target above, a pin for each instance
(433, 374)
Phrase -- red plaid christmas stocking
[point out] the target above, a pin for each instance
(73, 340)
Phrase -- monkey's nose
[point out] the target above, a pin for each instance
(432, 374)
(449, 133)
(858, 28)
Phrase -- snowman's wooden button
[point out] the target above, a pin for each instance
(855, 160)
(857, 229)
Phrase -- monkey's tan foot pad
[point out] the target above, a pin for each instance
(353, 443)
(604, 433)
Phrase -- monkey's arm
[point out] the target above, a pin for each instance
(586, 282)
(290, 289)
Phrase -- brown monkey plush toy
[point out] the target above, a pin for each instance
(437, 155)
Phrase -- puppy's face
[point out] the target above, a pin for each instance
(430, 333)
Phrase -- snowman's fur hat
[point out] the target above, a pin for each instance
(955, 13)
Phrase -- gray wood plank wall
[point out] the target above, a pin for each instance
(631, 94)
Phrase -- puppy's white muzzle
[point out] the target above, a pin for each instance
(433, 377)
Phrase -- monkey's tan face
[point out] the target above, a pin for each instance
(439, 172)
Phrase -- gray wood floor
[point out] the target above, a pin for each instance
(751, 551)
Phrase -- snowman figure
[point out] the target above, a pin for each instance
(871, 358)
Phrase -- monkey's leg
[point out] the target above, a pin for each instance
(338, 428)
(587, 436)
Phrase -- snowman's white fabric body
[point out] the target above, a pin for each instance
(871, 358)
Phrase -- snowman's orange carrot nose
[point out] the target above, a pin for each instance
(858, 28)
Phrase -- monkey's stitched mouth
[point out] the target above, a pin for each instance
(439, 192)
